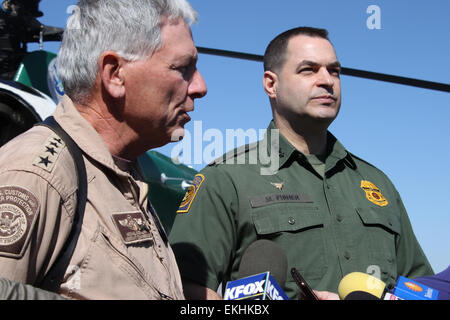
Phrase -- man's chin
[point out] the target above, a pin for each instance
(177, 135)
(326, 115)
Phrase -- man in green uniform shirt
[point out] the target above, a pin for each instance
(330, 211)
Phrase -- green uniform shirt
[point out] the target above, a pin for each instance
(351, 218)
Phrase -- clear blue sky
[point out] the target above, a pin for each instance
(402, 130)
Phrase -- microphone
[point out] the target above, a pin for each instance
(412, 290)
(184, 183)
(405, 289)
(361, 282)
(261, 256)
(361, 295)
(262, 273)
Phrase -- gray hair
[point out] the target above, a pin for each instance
(132, 28)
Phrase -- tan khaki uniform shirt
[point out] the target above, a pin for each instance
(119, 254)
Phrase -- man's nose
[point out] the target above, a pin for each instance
(197, 87)
(324, 78)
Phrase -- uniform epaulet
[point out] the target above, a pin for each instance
(234, 153)
(362, 160)
(49, 153)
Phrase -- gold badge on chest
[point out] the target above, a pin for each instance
(373, 194)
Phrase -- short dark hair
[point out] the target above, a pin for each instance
(275, 53)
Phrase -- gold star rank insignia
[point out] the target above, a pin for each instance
(373, 194)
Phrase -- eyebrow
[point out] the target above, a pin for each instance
(186, 57)
(334, 64)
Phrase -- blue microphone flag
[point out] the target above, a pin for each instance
(257, 287)
(407, 289)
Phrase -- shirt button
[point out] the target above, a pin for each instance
(339, 218)
(347, 255)
(291, 221)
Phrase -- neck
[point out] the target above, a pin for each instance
(305, 139)
(118, 137)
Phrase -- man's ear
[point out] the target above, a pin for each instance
(270, 81)
(110, 66)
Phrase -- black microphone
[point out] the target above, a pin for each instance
(261, 274)
(262, 256)
(361, 295)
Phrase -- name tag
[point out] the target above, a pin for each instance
(132, 227)
(268, 199)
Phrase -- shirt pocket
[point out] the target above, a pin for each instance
(298, 229)
(382, 229)
(109, 268)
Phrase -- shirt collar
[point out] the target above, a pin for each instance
(335, 150)
(284, 148)
(85, 136)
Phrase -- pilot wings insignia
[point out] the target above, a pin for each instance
(132, 227)
(136, 224)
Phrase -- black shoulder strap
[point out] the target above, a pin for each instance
(54, 277)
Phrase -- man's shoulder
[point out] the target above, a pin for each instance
(236, 164)
(367, 166)
(26, 147)
(239, 155)
(38, 151)
(33, 177)
(239, 168)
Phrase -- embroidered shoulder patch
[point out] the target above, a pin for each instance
(373, 194)
(18, 213)
(50, 153)
(191, 193)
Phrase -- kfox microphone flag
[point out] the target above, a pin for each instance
(257, 287)
(262, 273)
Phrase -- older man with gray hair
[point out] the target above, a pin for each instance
(129, 71)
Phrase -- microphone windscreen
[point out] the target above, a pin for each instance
(361, 295)
(358, 281)
(262, 256)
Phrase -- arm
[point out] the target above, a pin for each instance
(193, 291)
(18, 291)
(34, 232)
(411, 260)
(203, 237)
